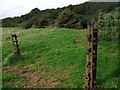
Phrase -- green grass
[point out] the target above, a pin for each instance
(62, 49)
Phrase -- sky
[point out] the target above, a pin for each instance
(11, 8)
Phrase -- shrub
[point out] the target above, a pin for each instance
(108, 25)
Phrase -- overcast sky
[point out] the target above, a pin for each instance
(10, 8)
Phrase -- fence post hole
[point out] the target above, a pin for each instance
(91, 56)
(16, 50)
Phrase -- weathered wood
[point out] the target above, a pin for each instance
(16, 50)
(91, 56)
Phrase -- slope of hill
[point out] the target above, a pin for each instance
(73, 16)
(55, 58)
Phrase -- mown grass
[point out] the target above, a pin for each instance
(64, 50)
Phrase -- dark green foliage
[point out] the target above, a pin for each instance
(41, 23)
(108, 25)
(69, 17)
(8, 22)
(34, 11)
(27, 24)
(65, 18)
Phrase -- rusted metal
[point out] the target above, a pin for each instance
(16, 50)
(91, 56)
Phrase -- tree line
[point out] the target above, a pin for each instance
(72, 16)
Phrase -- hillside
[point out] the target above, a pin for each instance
(72, 16)
(55, 58)
(52, 45)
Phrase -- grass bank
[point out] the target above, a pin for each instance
(54, 58)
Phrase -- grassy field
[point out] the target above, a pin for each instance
(54, 58)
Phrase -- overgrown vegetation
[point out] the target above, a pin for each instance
(73, 16)
(109, 25)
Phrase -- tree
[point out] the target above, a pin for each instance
(65, 16)
(41, 23)
(28, 24)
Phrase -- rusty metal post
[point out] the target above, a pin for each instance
(91, 56)
(15, 44)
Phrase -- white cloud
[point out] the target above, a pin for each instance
(10, 8)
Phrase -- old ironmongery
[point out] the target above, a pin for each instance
(91, 56)
(15, 44)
